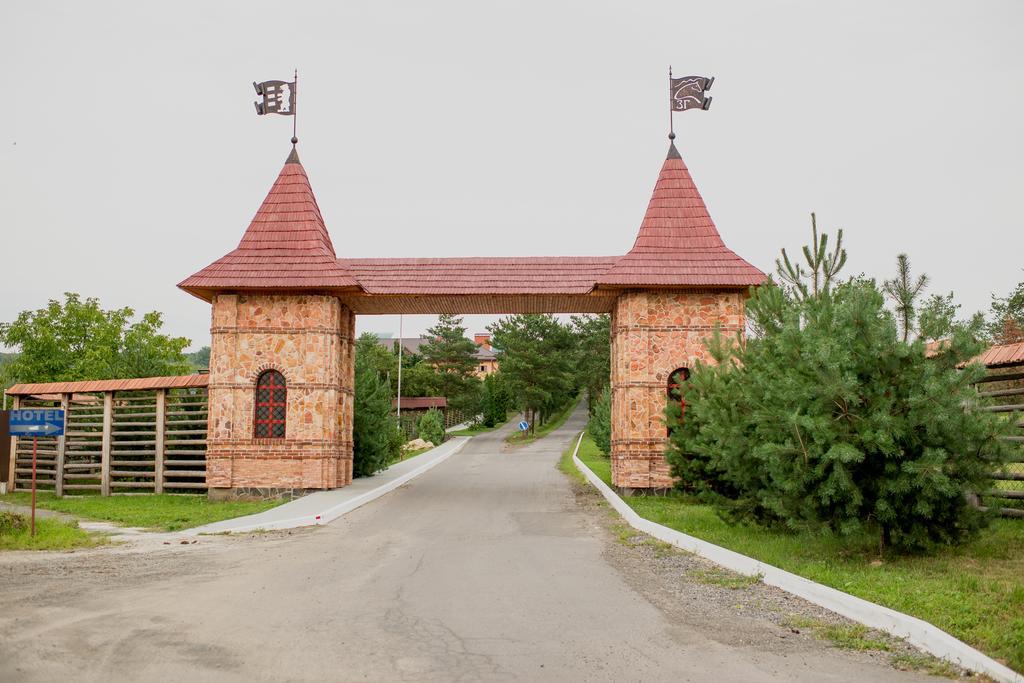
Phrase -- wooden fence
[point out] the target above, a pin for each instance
(1006, 391)
(149, 441)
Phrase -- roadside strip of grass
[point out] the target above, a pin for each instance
(477, 429)
(974, 592)
(51, 534)
(157, 512)
(553, 423)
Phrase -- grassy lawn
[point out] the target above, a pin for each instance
(51, 534)
(163, 512)
(975, 591)
(553, 423)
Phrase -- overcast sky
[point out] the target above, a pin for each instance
(131, 155)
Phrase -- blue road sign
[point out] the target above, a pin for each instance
(523, 426)
(37, 422)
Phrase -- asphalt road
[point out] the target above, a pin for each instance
(485, 568)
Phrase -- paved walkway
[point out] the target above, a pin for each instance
(484, 568)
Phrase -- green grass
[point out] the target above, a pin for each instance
(477, 429)
(725, 579)
(846, 636)
(51, 534)
(553, 423)
(161, 512)
(974, 591)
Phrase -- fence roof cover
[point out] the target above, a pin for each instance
(97, 385)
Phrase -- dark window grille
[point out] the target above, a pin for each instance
(271, 404)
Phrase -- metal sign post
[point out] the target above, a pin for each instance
(35, 422)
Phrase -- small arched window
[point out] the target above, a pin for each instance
(676, 382)
(271, 399)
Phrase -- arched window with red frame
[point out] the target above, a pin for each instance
(676, 382)
(271, 405)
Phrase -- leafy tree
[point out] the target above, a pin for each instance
(200, 360)
(77, 340)
(431, 427)
(823, 265)
(536, 353)
(904, 292)
(827, 420)
(600, 425)
(377, 440)
(419, 380)
(937, 319)
(592, 354)
(451, 355)
(1006, 323)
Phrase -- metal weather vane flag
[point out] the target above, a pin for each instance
(279, 97)
(685, 93)
(689, 92)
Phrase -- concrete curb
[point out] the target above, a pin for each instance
(334, 512)
(917, 632)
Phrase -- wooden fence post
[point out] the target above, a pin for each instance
(14, 452)
(108, 422)
(58, 476)
(161, 417)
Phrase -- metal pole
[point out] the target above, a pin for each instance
(671, 122)
(400, 321)
(35, 440)
(295, 114)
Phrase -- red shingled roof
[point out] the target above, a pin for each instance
(421, 402)
(509, 275)
(286, 246)
(1003, 354)
(678, 244)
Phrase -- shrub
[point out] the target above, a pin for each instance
(600, 425)
(431, 427)
(12, 522)
(828, 421)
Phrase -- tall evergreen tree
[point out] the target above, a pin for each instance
(823, 265)
(904, 292)
(451, 355)
(376, 437)
(1006, 323)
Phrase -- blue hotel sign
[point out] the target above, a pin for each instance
(37, 422)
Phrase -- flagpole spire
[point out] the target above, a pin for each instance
(671, 118)
(295, 114)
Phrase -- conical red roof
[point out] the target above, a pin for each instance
(678, 244)
(285, 247)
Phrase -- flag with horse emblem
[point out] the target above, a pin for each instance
(690, 92)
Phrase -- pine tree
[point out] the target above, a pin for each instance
(377, 440)
(451, 355)
(904, 292)
(824, 265)
(828, 420)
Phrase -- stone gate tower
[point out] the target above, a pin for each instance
(676, 285)
(277, 316)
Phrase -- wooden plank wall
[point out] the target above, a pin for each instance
(1005, 389)
(121, 442)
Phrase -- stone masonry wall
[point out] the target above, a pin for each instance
(653, 334)
(308, 338)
